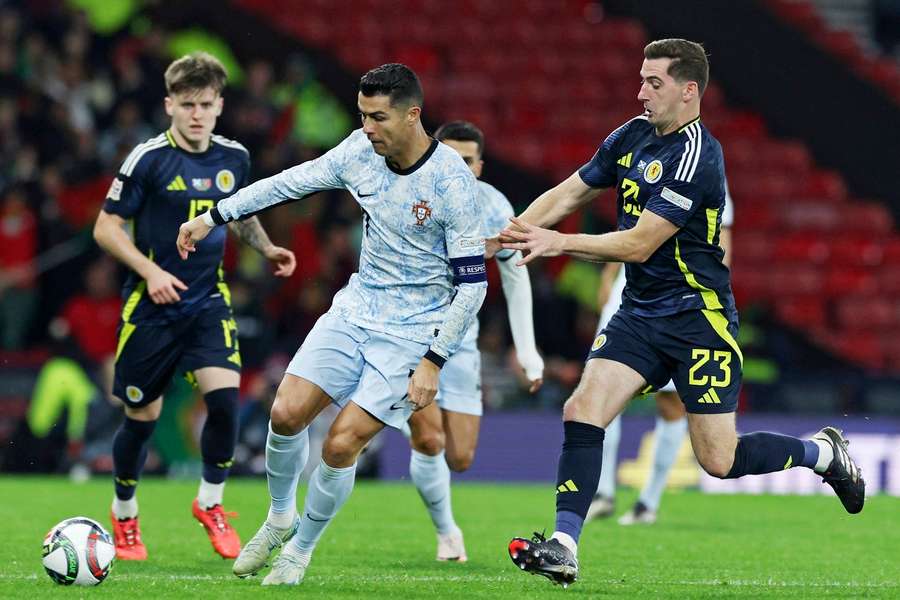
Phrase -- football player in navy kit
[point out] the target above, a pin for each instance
(177, 315)
(678, 318)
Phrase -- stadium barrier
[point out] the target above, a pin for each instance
(524, 446)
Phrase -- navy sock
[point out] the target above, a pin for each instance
(129, 455)
(765, 452)
(219, 433)
(577, 475)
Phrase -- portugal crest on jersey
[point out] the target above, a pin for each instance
(421, 211)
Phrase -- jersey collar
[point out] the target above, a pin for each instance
(415, 167)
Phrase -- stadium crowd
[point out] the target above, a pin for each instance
(73, 103)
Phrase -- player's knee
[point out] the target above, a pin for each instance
(430, 442)
(460, 461)
(286, 420)
(716, 464)
(149, 412)
(341, 449)
(578, 408)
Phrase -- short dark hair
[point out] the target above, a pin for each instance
(689, 62)
(195, 71)
(396, 81)
(461, 131)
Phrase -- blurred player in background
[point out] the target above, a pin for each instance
(177, 316)
(678, 319)
(453, 421)
(671, 420)
(379, 349)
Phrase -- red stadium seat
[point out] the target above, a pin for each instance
(869, 313)
(813, 216)
(892, 253)
(842, 281)
(868, 217)
(806, 248)
(863, 348)
(795, 280)
(802, 312)
(752, 245)
(857, 252)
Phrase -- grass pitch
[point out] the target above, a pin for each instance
(382, 545)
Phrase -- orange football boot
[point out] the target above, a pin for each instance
(127, 533)
(224, 538)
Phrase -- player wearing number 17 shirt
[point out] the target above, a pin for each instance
(177, 316)
(378, 351)
(677, 318)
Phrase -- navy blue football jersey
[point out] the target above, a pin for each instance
(160, 186)
(680, 177)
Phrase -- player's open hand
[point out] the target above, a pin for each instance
(423, 384)
(284, 259)
(189, 234)
(162, 287)
(532, 240)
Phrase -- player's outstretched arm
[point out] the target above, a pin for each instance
(162, 286)
(633, 245)
(559, 202)
(517, 289)
(192, 232)
(252, 233)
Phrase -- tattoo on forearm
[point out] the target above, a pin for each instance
(251, 233)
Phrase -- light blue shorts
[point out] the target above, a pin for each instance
(459, 388)
(352, 364)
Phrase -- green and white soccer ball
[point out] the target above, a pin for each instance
(79, 551)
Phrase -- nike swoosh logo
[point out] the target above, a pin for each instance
(317, 520)
(436, 502)
(402, 404)
(361, 195)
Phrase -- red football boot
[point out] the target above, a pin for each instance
(224, 538)
(127, 533)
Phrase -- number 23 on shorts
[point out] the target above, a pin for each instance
(702, 356)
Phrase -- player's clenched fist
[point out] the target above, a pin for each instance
(189, 234)
(423, 384)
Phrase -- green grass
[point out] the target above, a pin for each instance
(381, 545)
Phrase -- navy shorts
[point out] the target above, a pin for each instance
(149, 355)
(696, 349)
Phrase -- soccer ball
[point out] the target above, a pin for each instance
(79, 551)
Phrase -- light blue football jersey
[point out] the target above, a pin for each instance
(423, 234)
(495, 212)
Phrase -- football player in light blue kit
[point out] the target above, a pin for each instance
(671, 420)
(451, 424)
(378, 351)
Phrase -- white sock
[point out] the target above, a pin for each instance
(826, 455)
(125, 509)
(210, 494)
(303, 556)
(669, 436)
(431, 476)
(607, 484)
(286, 456)
(329, 488)
(566, 540)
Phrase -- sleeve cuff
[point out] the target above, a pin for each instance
(216, 216)
(436, 358)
